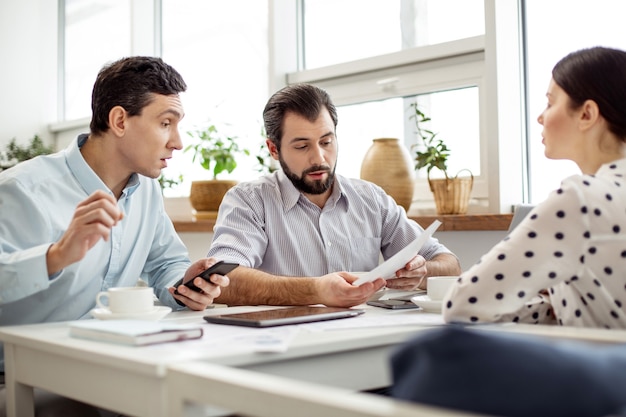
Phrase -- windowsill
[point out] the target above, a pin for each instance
(180, 211)
(450, 222)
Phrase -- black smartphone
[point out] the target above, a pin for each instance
(221, 268)
(393, 304)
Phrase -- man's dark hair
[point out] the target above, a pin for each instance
(131, 83)
(303, 99)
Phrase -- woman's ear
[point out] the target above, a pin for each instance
(589, 115)
(117, 120)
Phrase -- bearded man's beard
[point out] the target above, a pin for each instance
(309, 187)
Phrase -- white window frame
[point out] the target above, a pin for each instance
(486, 62)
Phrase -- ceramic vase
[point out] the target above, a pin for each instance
(388, 164)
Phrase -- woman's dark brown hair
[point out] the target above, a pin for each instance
(597, 74)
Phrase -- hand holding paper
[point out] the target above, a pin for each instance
(388, 268)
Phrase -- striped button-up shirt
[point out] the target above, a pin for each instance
(267, 224)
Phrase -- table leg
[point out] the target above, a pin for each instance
(19, 397)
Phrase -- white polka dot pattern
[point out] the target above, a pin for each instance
(566, 261)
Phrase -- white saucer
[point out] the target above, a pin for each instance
(156, 314)
(428, 305)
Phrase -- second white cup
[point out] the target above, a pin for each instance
(126, 300)
(437, 287)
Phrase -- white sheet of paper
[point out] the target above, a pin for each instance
(388, 268)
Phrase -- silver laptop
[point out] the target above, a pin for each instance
(519, 213)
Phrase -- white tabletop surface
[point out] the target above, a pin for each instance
(38, 355)
(348, 353)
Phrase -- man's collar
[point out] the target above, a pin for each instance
(86, 177)
(290, 194)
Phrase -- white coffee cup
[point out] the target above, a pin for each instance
(126, 300)
(438, 287)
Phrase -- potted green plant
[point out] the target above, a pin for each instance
(15, 153)
(432, 152)
(216, 152)
(451, 193)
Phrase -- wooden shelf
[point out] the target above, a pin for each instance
(455, 222)
(467, 222)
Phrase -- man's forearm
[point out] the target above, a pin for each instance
(443, 265)
(251, 287)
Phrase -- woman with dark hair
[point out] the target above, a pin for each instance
(565, 262)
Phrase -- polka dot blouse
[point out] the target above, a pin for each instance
(564, 263)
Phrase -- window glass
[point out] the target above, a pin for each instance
(96, 32)
(338, 31)
(454, 117)
(579, 26)
(221, 50)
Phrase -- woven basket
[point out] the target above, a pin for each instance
(208, 195)
(452, 194)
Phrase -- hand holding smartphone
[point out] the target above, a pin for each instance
(220, 268)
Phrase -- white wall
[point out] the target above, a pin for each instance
(28, 41)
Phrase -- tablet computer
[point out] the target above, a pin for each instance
(283, 316)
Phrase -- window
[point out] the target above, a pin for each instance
(96, 32)
(448, 53)
(338, 31)
(454, 117)
(396, 51)
(578, 25)
(221, 50)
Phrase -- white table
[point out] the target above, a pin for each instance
(133, 381)
(285, 390)
(138, 381)
(261, 395)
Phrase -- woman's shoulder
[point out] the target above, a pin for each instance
(590, 187)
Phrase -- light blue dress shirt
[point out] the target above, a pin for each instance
(37, 202)
(269, 225)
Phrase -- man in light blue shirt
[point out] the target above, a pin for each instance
(91, 217)
(299, 232)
